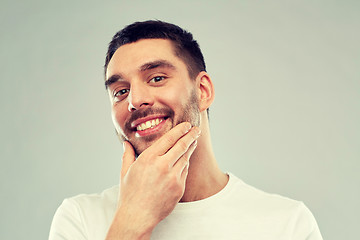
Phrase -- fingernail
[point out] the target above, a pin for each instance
(188, 126)
(123, 145)
(198, 132)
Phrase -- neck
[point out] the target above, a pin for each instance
(204, 177)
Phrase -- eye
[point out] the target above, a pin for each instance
(121, 92)
(157, 79)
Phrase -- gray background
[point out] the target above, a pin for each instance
(285, 117)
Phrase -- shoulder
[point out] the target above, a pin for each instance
(106, 198)
(77, 216)
(92, 207)
(246, 193)
(298, 219)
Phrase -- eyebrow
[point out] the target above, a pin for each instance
(114, 78)
(146, 66)
(156, 64)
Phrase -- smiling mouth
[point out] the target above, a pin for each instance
(150, 124)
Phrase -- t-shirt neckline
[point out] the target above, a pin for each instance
(223, 193)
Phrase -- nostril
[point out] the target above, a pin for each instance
(132, 108)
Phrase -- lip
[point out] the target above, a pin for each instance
(139, 121)
(150, 131)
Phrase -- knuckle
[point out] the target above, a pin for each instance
(185, 157)
(170, 180)
(183, 146)
(173, 179)
(175, 185)
(186, 162)
(183, 160)
(170, 139)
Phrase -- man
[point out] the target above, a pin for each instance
(171, 186)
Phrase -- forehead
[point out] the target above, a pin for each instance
(130, 57)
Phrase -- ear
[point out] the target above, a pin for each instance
(206, 90)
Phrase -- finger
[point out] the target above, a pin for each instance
(185, 168)
(167, 141)
(184, 174)
(128, 158)
(182, 145)
(183, 161)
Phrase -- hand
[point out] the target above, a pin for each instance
(152, 185)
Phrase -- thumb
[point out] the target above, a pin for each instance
(128, 158)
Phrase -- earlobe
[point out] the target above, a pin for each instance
(206, 91)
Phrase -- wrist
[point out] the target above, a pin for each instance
(128, 224)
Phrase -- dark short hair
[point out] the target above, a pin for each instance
(186, 48)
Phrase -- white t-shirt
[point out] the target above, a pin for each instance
(238, 211)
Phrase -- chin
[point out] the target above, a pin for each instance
(139, 148)
(141, 144)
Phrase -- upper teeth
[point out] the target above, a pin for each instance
(148, 124)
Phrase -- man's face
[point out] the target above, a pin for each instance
(150, 91)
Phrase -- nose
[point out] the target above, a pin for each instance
(139, 97)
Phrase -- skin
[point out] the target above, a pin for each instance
(175, 162)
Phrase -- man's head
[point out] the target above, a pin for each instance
(185, 46)
(153, 85)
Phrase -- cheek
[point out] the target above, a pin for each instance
(118, 115)
(175, 96)
(172, 100)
